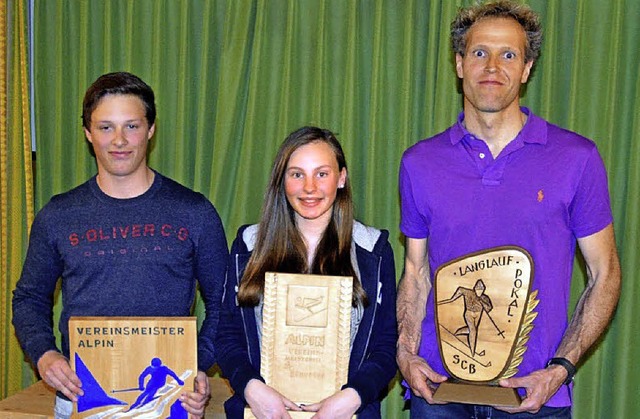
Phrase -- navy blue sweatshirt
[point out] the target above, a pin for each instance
(121, 257)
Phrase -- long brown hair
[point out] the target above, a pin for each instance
(279, 245)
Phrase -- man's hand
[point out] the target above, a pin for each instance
(418, 374)
(540, 385)
(195, 401)
(342, 404)
(267, 403)
(55, 370)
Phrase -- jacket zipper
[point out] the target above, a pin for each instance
(375, 311)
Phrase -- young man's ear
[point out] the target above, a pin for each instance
(87, 134)
(152, 130)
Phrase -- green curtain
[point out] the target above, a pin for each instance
(234, 77)
(16, 182)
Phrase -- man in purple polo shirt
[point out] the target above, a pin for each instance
(503, 176)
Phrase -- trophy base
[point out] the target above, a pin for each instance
(477, 394)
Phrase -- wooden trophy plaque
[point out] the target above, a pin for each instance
(306, 335)
(133, 366)
(484, 314)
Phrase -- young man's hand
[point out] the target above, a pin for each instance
(55, 370)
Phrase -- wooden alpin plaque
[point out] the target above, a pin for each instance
(306, 335)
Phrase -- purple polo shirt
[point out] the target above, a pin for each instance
(545, 189)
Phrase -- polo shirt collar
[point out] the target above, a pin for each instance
(534, 130)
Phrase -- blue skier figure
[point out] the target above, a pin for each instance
(158, 373)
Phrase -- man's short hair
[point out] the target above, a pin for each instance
(522, 14)
(120, 83)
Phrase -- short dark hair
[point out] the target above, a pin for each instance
(522, 14)
(120, 83)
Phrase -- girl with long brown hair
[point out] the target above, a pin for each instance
(307, 226)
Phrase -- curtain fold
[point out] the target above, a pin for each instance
(234, 77)
(16, 182)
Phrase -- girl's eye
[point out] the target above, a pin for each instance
(323, 174)
(295, 175)
(104, 128)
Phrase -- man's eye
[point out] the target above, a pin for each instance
(478, 53)
(104, 128)
(509, 55)
(132, 126)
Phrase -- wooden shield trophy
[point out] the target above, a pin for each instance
(484, 314)
(133, 366)
(306, 335)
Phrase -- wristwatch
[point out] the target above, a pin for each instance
(567, 365)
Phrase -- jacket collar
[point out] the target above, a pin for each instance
(364, 236)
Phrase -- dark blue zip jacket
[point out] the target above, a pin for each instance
(372, 364)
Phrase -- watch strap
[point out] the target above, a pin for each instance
(567, 365)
